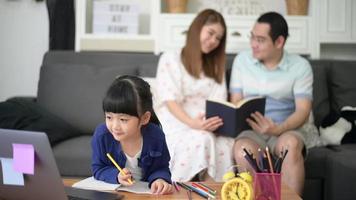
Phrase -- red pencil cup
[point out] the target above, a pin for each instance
(267, 186)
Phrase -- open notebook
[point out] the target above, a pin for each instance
(90, 183)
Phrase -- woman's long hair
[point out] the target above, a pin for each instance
(193, 59)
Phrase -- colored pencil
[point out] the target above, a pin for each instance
(202, 194)
(209, 188)
(251, 162)
(183, 186)
(197, 185)
(199, 190)
(175, 186)
(118, 167)
(189, 193)
(269, 160)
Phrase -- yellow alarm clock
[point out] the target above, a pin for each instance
(238, 188)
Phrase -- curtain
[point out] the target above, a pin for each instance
(61, 24)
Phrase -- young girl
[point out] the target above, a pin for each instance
(133, 137)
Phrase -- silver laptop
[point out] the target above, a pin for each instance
(46, 183)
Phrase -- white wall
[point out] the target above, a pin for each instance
(23, 41)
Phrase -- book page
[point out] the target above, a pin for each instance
(92, 184)
(243, 101)
(139, 187)
(229, 104)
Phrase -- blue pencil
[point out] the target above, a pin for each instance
(202, 190)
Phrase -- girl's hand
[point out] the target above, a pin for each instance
(160, 186)
(124, 179)
(210, 124)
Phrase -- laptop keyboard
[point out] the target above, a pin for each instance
(81, 194)
(76, 198)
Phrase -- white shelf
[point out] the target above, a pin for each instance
(144, 41)
(160, 31)
(108, 42)
(174, 26)
(337, 21)
(116, 37)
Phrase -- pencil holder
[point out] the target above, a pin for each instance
(267, 186)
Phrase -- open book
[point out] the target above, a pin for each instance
(91, 183)
(234, 116)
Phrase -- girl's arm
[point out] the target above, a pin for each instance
(101, 167)
(160, 168)
(159, 186)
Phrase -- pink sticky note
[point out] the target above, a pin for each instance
(24, 158)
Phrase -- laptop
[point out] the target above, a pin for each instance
(46, 183)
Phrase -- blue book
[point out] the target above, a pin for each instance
(234, 116)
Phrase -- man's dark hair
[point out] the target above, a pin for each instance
(277, 23)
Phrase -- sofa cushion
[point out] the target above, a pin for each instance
(320, 90)
(74, 92)
(315, 164)
(148, 69)
(73, 156)
(101, 59)
(342, 84)
(313, 189)
(340, 180)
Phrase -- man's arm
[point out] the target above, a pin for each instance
(265, 125)
(299, 117)
(235, 97)
(302, 89)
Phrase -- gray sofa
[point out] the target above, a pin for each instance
(331, 171)
(72, 85)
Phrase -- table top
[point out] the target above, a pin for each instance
(287, 193)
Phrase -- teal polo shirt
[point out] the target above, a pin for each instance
(291, 79)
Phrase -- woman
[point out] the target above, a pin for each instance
(185, 80)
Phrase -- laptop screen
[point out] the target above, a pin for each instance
(45, 181)
(28, 170)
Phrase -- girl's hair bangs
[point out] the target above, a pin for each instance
(121, 98)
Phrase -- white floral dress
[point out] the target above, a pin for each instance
(191, 150)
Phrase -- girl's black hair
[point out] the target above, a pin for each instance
(130, 95)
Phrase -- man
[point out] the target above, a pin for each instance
(286, 82)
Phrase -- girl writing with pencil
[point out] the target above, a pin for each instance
(131, 138)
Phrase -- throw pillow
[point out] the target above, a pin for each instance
(20, 114)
